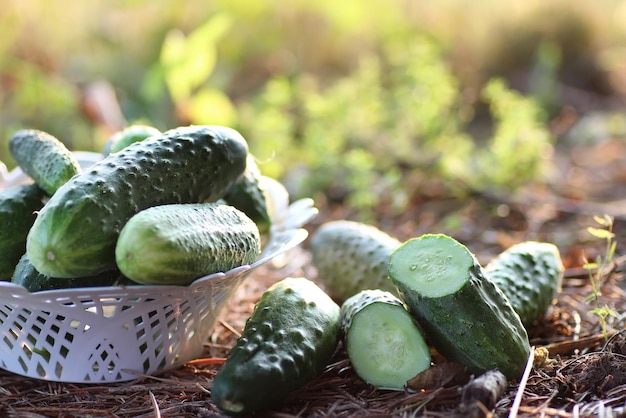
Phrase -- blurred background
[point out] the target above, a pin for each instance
(373, 107)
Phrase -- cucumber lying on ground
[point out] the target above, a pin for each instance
(529, 274)
(288, 340)
(18, 206)
(250, 196)
(465, 315)
(75, 233)
(352, 256)
(44, 158)
(27, 276)
(384, 344)
(127, 136)
(178, 243)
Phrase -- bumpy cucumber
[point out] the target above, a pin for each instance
(287, 341)
(177, 243)
(26, 275)
(18, 206)
(75, 233)
(529, 274)
(250, 196)
(127, 136)
(44, 158)
(385, 345)
(461, 310)
(352, 256)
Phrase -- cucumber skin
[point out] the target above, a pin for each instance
(27, 276)
(476, 326)
(17, 214)
(530, 275)
(357, 303)
(178, 243)
(127, 136)
(44, 158)
(288, 340)
(75, 233)
(352, 256)
(248, 196)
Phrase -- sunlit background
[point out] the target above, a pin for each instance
(351, 101)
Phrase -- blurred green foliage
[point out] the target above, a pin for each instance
(363, 105)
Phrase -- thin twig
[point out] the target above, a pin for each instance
(522, 384)
(155, 405)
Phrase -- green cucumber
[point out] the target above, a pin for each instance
(287, 341)
(467, 318)
(44, 158)
(529, 274)
(250, 196)
(18, 207)
(352, 256)
(75, 233)
(385, 345)
(26, 275)
(178, 243)
(127, 136)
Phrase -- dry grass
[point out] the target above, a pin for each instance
(586, 376)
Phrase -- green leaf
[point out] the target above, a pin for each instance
(600, 233)
(605, 220)
(189, 61)
(211, 107)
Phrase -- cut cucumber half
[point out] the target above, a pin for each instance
(465, 315)
(384, 344)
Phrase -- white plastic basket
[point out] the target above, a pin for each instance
(114, 334)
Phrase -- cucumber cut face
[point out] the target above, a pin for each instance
(384, 344)
(438, 269)
(466, 317)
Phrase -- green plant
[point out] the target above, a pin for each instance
(184, 66)
(397, 121)
(599, 269)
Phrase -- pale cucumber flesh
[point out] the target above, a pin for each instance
(432, 265)
(385, 346)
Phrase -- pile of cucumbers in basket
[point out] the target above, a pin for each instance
(161, 208)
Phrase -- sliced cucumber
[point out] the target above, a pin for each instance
(461, 310)
(384, 344)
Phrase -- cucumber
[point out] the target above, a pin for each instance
(250, 196)
(127, 136)
(18, 206)
(27, 276)
(178, 243)
(467, 318)
(384, 344)
(287, 341)
(44, 158)
(75, 233)
(351, 256)
(530, 275)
